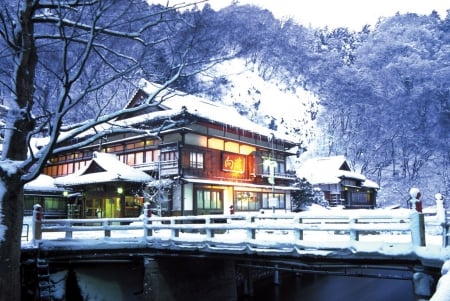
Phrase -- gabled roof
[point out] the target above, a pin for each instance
(330, 170)
(101, 169)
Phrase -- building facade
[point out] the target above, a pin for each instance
(206, 159)
(339, 185)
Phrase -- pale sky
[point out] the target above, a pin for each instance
(335, 13)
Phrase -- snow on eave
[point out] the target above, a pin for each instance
(42, 183)
(344, 174)
(113, 171)
(370, 184)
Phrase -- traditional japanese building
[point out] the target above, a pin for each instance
(205, 158)
(339, 185)
(109, 188)
(43, 191)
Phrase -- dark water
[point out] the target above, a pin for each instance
(123, 281)
(333, 288)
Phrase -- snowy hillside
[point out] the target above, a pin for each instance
(272, 103)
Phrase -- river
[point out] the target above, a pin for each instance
(334, 288)
(123, 281)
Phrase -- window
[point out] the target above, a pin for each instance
(168, 156)
(151, 156)
(196, 160)
(139, 158)
(47, 202)
(54, 203)
(247, 201)
(131, 159)
(278, 198)
(209, 200)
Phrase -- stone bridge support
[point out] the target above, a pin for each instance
(179, 278)
(423, 284)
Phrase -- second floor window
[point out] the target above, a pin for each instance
(196, 160)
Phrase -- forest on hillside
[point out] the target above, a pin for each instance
(384, 91)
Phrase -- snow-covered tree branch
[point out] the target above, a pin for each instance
(64, 55)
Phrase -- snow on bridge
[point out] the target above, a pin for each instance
(383, 232)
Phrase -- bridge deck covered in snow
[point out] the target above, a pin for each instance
(348, 234)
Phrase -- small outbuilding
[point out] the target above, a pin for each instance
(339, 185)
(44, 192)
(108, 187)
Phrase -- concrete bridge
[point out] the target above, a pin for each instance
(370, 243)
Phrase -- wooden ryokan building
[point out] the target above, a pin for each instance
(211, 159)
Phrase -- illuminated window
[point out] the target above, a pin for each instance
(246, 149)
(139, 158)
(52, 170)
(151, 156)
(209, 199)
(54, 203)
(130, 159)
(196, 160)
(232, 147)
(247, 201)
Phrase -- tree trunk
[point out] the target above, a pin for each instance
(19, 124)
(11, 198)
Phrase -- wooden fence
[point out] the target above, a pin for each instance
(252, 227)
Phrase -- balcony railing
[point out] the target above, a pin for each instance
(169, 167)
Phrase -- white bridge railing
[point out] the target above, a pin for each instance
(306, 229)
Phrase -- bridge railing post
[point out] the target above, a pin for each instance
(209, 231)
(69, 232)
(441, 216)
(417, 220)
(106, 226)
(147, 219)
(354, 234)
(148, 230)
(251, 232)
(37, 223)
(445, 235)
(175, 232)
(298, 233)
(417, 226)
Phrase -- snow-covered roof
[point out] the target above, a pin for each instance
(104, 168)
(331, 170)
(43, 183)
(175, 103)
(213, 111)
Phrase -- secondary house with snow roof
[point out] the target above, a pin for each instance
(211, 158)
(338, 184)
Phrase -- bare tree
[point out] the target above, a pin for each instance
(76, 36)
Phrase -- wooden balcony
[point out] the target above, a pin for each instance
(165, 168)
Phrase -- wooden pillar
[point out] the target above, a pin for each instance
(276, 276)
(248, 283)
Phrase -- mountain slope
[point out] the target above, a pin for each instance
(273, 104)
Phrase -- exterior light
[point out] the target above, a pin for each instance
(119, 190)
(65, 193)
